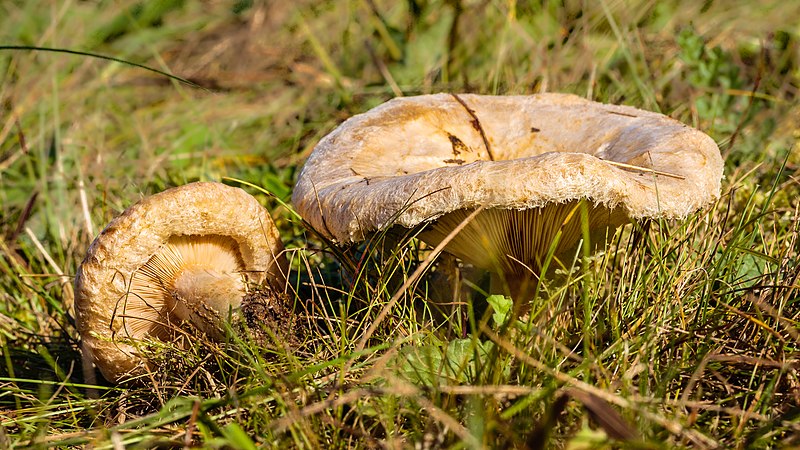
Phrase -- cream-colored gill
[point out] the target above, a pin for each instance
(192, 278)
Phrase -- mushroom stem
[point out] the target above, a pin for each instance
(204, 296)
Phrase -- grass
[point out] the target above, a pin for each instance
(682, 334)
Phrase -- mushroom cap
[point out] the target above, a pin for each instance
(212, 223)
(414, 159)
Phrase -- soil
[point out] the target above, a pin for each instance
(270, 319)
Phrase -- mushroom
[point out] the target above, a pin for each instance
(185, 255)
(534, 164)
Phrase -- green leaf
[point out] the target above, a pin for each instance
(454, 362)
(501, 305)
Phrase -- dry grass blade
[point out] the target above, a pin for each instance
(66, 281)
(450, 422)
(644, 169)
(607, 417)
(498, 390)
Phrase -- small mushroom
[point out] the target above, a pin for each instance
(531, 163)
(185, 255)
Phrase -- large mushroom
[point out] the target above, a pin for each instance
(185, 255)
(535, 164)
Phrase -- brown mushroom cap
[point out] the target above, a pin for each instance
(414, 160)
(185, 254)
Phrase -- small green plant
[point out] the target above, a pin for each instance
(714, 73)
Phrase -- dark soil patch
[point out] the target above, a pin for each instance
(271, 321)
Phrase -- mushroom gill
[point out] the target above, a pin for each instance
(518, 245)
(192, 278)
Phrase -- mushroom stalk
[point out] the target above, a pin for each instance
(520, 287)
(202, 296)
(519, 246)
